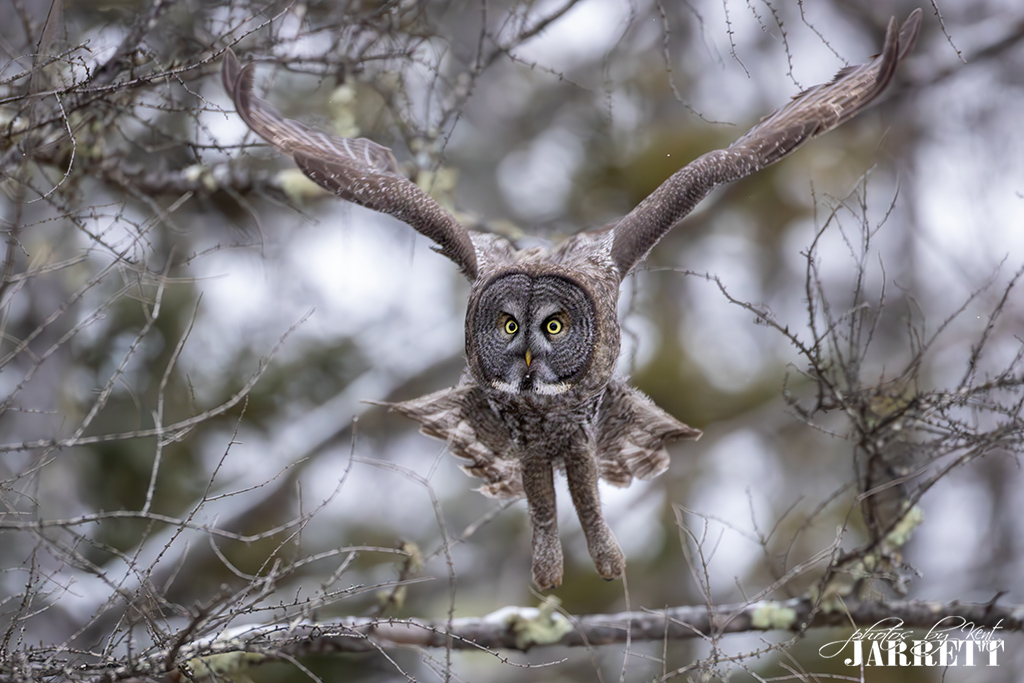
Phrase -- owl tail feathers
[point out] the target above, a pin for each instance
(462, 418)
(633, 435)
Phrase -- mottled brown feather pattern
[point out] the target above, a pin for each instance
(462, 418)
(633, 434)
(630, 436)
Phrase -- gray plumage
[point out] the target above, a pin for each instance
(542, 335)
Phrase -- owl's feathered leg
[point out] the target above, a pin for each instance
(539, 484)
(581, 471)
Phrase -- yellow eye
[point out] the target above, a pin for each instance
(511, 326)
(554, 326)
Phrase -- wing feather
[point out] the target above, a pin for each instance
(810, 114)
(631, 436)
(358, 170)
(463, 418)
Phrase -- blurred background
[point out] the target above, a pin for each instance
(191, 334)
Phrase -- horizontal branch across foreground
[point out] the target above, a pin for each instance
(505, 628)
(523, 628)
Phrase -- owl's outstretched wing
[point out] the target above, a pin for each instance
(810, 114)
(358, 170)
(463, 418)
(631, 436)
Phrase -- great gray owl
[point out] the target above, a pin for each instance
(542, 335)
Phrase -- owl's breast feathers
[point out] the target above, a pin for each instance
(627, 435)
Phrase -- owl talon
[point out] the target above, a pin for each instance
(547, 560)
(547, 578)
(610, 563)
(546, 583)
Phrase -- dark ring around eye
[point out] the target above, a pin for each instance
(511, 326)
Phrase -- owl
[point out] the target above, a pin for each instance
(540, 393)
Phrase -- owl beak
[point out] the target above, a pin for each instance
(529, 357)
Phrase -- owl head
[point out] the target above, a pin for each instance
(541, 327)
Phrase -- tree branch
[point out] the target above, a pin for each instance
(525, 628)
(504, 628)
